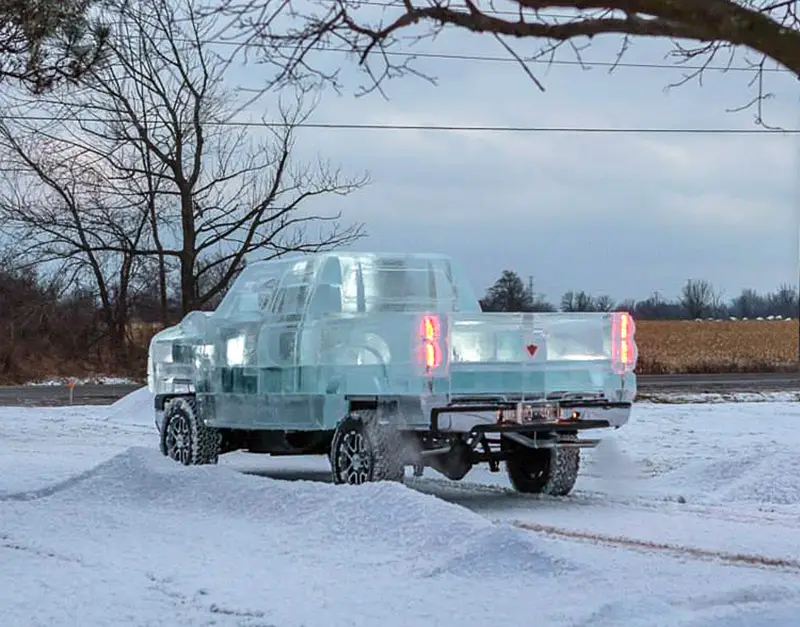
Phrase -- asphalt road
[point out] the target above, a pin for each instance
(52, 395)
(731, 382)
(40, 396)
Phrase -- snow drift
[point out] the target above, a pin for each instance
(229, 540)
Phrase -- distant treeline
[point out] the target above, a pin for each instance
(697, 299)
(51, 326)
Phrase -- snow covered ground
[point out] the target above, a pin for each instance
(688, 516)
(97, 380)
(719, 397)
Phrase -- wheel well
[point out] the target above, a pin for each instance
(162, 399)
(362, 404)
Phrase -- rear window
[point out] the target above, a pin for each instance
(397, 285)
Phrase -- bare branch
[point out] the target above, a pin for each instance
(698, 30)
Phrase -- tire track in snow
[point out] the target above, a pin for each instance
(750, 560)
(6, 542)
(589, 498)
(725, 513)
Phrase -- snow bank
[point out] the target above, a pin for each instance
(135, 408)
(142, 478)
(222, 544)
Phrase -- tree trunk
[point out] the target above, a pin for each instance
(188, 253)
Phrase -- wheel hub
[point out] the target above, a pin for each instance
(178, 439)
(354, 459)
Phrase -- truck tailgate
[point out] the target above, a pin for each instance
(540, 354)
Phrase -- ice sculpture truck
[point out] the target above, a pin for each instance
(386, 361)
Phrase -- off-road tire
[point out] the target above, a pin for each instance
(383, 448)
(203, 442)
(543, 471)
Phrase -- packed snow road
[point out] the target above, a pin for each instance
(688, 516)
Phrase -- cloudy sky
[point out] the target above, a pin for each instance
(619, 214)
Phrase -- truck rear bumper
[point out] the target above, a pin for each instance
(483, 419)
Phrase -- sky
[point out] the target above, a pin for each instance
(619, 214)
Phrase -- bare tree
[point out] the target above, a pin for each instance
(604, 302)
(44, 42)
(784, 302)
(578, 301)
(61, 206)
(211, 192)
(702, 31)
(698, 298)
(748, 304)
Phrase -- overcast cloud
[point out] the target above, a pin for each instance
(620, 214)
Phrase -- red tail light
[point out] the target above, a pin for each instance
(623, 346)
(431, 350)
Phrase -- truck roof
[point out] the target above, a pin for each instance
(416, 277)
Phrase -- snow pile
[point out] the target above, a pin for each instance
(135, 408)
(469, 544)
(148, 535)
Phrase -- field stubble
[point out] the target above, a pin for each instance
(688, 346)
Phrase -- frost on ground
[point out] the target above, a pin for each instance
(97, 528)
(719, 397)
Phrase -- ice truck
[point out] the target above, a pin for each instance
(386, 361)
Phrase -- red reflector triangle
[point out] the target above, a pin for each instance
(531, 349)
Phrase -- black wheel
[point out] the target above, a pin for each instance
(184, 438)
(363, 450)
(552, 471)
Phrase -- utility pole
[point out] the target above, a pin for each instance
(797, 201)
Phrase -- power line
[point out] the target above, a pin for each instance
(489, 58)
(446, 127)
(508, 59)
(493, 58)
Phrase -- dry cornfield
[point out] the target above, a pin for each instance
(688, 346)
